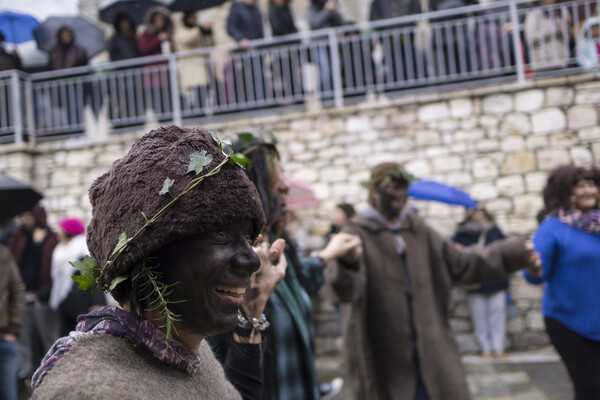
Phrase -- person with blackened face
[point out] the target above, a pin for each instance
(394, 297)
(179, 261)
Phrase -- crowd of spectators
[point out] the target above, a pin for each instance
(404, 54)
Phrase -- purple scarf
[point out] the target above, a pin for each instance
(588, 221)
(120, 323)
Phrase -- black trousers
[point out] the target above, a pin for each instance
(581, 357)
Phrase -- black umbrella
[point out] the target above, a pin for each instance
(193, 5)
(16, 197)
(109, 9)
(88, 35)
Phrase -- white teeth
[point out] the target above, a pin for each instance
(227, 289)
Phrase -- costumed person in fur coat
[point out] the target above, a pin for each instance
(394, 298)
(178, 260)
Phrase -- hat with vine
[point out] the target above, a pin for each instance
(388, 172)
(173, 183)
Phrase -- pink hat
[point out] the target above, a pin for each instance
(72, 226)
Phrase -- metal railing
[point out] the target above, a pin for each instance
(505, 40)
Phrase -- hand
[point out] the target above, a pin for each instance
(39, 234)
(245, 44)
(264, 281)
(206, 25)
(10, 337)
(534, 268)
(162, 36)
(346, 246)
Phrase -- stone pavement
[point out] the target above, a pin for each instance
(532, 375)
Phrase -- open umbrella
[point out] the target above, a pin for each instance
(431, 190)
(300, 195)
(193, 5)
(16, 197)
(88, 35)
(16, 27)
(135, 9)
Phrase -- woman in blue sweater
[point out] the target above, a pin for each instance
(568, 241)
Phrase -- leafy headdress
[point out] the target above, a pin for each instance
(173, 184)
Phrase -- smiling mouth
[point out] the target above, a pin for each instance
(230, 290)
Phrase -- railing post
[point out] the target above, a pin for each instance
(17, 110)
(516, 34)
(336, 69)
(174, 81)
(29, 105)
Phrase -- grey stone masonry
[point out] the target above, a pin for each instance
(497, 143)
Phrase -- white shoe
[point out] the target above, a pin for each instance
(334, 388)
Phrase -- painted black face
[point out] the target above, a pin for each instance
(390, 199)
(213, 271)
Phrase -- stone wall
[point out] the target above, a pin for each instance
(496, 142)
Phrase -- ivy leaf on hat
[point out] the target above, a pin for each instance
(88, 267)
(199, 160)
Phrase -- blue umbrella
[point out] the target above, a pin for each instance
(17, 28)
(431, 190)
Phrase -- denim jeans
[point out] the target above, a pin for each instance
(9, 370)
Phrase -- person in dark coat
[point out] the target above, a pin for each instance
(8, 60)
(244, 22)
(488, 301)
(32, 246)
(66, 53)
(281, 18)
(123, 43)
(395, 296)
(383, 9)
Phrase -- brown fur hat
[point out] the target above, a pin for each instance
(132, 185)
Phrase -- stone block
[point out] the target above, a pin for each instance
(501, 205)
(548, 120)
(521, 226)
(433, 112)
(488, 121)
(484, 168)
(461, 108)
(468, 123)
(470, 135)
(460, 325)
(535, 181)
(515, 124)
(510, 185)
(358, 149)
(547, 159)
(582, 116)
(536, 142)
(333, 174)
(587, 96)
(487, 145)
(419, 167)
(307, 174)
(66, 177)
(427, 138)
(459, 178)
(596, 152)
(436, 151)
(318, 144)
(301, 125)
(559, 96)
(528, 204)
(515, 325)
(80, 158)
(535, 321)
(589, 134)
(345, 138)
(466, 343)
(358, 124)
(498, 104)
(311, 135)
(445, 164)
(529, 100)
(518, 163)
(296, 147)
(483, 191)
(403, 117)
(582, 156)
(322, 190)
(368, 135)
(331, 152)
(513, 143)
(527, 340)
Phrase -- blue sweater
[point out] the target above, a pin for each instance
(571, 273)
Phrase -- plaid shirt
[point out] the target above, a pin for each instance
(290, 313)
